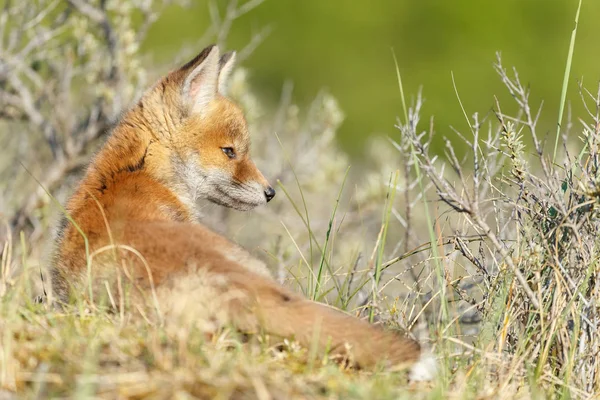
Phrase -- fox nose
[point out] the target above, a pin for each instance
(269, 193)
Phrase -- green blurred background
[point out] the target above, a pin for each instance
(345, 47)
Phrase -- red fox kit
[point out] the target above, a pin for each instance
(185, 141)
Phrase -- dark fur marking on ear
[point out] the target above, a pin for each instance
(225, 58)
(198, 59)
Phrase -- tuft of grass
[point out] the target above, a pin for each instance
(565, 84)
(381, 241)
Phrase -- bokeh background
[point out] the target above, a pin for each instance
(346, 47)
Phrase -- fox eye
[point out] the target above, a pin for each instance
(229, 152)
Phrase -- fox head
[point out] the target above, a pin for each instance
(206, 134)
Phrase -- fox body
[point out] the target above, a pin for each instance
(135, 217)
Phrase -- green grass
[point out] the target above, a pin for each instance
(565, 84)
(375, 241)
(89, 353)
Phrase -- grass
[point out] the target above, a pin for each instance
(490, 259)
(449, 267)
(97, 354)
(514, 351)
(565, 84)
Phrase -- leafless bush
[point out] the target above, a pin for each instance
(538, 224)
(67, 71)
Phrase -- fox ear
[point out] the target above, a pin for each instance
(226, 64)
(201, 77)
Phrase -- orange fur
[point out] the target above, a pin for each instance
(168, 151)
